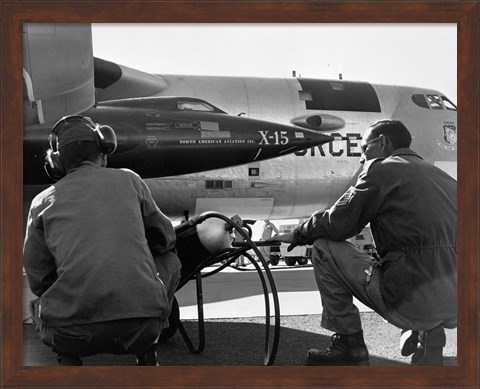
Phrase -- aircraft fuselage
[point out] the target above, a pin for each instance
(296, 185)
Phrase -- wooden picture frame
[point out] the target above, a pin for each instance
(15, 13)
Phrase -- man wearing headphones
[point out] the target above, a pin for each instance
(92, 244)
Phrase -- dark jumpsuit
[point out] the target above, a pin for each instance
(89, 254)
(411, 207)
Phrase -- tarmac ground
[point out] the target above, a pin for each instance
(240, 342)
(234, 311)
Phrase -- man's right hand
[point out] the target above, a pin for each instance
(284, 238)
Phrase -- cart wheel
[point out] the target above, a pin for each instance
(274, 259)
(290, 261)
(302, 261)
(173, 318)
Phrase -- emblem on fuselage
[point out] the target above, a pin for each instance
(449, 141)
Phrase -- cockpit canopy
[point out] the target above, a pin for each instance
(432, 101)
(179, 104)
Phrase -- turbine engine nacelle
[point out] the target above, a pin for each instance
(324, 122)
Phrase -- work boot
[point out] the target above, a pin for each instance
(345, 350)
(408, 342)
(69, 360)
(430, 348)
(149, 358)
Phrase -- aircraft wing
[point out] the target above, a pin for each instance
(58, 71)
(61, 76)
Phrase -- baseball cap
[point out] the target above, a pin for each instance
(77, 132)
(73, 128)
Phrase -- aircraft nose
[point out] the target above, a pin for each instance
(158, 143)
(302, 138)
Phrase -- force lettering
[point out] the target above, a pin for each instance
(348, 145)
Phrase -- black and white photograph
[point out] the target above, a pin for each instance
(240, 194)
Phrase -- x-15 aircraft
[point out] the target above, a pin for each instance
(165, 136)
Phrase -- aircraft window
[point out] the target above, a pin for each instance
(218, 184)
(337, 86)
(254, 172)
(435, 102)
(448, 104)
(195, 106)
(420, 100)
(305, 95)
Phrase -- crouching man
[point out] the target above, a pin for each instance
(89, 252)
(411, 208)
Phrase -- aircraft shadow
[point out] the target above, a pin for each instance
(243, 344)
(238, 343)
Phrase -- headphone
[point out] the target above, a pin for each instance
(104, 136)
